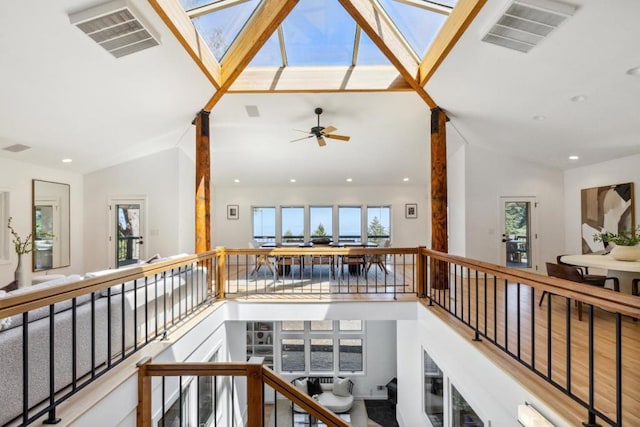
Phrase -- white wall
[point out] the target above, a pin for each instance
(456, 199)
(606, 173)
(16, 177)
(237, 233)
(163, 179)
(489, 175)
(491, 391)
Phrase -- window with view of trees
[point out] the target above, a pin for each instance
(264, 224)
(378, 223)
(321, 221)
(350, 223)
(292, 224)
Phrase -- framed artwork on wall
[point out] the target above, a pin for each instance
(411, 210)
(233, 212)
(605, 209)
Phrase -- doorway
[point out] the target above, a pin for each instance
(518, 245)
(126, 231)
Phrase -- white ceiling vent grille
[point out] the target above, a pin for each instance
(527, 22)
(117, 27)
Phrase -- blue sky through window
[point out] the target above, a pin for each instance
(264, 222)
(292, 221)
(350, 221)
(321, 215)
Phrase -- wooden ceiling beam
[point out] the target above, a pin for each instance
(320, 79)
(174, 16)
(459, 20)
(254, 35)
(375, 22)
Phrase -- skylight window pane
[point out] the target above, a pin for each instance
(319, 32)
(192, 4)
(269, 55)
(369, 54)
(419, 26)
(220, 28)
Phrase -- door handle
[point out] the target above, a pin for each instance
(504, 240)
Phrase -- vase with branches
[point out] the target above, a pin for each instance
(22, 247)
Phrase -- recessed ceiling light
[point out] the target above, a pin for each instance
(67, 160)
(635, 71)
(349, 179)
(539, 118)
(579, 98)
(236, 180)
(574, 157)
(292, 180)
(405, 179)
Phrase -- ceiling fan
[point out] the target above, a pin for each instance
(321, 132)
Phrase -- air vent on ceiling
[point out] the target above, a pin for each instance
(117, 27)
(527, 22)
(16, 148)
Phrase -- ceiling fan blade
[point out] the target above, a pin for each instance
(329, 129)
(300, 139)
(340, 137)
(321, 141)
(303, 131)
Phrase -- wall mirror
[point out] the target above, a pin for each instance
(51, 223)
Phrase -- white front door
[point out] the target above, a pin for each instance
(126, 231)
(518, 238)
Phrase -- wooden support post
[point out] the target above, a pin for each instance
(203, 184)
(421, 288)
(221, 277)
(143, 411)
(255, 398)
(439, 236)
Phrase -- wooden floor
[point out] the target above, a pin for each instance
(520, 326)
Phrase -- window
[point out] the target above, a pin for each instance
(462, 414)
(206, 397)
(293, 355)
(292, 224)
(264, 224)
(322, 346)
(321, 221)
(350, 355)
(321, 355)
(433, 391)
(378, 223)
(350, 223)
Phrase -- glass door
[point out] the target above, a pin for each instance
(126, 232)
(518, 234)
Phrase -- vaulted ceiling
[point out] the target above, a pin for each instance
(65, 96)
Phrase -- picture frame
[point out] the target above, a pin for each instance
(411, 210)
(233, 212)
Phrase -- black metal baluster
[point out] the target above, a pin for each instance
(533, 329)
(135, 315)
(146, 309)
(163, 401)
(468, 297)
(109, 326)
(74, 345)
(122, 318)
(506, 316)
(180, 397)
(477, 330)
(485, 304)
(549, 298)
(93, 334)
(619, 369)
(591, 408)
(568, 335)
(518, 320)
(25, 367)
(495, 309)
(51, 417)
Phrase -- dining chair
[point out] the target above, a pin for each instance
(592, 279)
(575, 274)
(260, 259)
(379, 259)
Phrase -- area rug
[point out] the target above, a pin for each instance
(382, 412)
(358, 414)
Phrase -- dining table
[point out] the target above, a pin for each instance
(625, 271)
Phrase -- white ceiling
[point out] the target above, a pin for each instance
(66, 97)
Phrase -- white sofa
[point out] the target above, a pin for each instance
(336, 393)
(178, 292)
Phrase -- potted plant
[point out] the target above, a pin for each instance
(624, 244)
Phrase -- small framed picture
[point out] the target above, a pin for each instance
(411, 210)
(233, 212)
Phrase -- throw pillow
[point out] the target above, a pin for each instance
(6, 322)
(313, 386)
(341, 387)
(301, 385)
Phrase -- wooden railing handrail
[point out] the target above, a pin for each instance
(252, 371)
(36, 297)
(297, 251)
(603, 298)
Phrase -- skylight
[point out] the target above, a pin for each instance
(220, 27)
(319, 32)
(418, 25)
